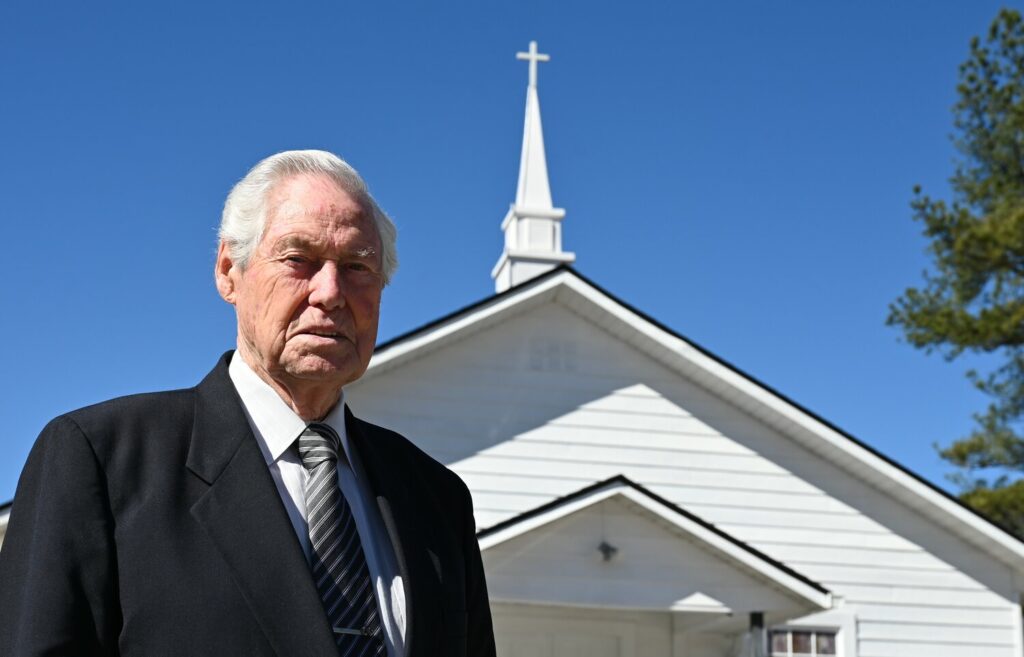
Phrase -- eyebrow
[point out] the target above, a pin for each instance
(298, 241)
(292, 242)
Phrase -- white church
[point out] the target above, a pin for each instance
(636, 496)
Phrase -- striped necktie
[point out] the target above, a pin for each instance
(337, 559)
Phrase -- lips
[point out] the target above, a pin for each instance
(325, 333)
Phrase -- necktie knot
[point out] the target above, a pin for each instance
(318, 443)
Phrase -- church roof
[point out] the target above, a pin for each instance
(567, 286)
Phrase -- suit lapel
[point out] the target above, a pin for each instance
(411, 535)
(243, 515)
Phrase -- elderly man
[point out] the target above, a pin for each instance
(253, 514)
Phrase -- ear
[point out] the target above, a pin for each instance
(226, 274)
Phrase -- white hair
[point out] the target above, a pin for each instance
(245, 211)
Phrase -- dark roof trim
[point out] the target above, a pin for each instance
(622, 479)
(719, 360)
(5, 506)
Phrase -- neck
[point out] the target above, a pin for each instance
(310, 400)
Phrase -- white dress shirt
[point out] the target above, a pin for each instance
(277, 427)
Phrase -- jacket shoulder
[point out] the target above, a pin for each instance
(149, 410)
(133, 411)
(124, 425)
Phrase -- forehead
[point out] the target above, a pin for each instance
(313, 196)
(316, 205)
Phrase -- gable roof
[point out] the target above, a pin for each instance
(688, 523)
(581, 295)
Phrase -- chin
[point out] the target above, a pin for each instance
(313, 367)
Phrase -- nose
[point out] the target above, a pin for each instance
(326, 289)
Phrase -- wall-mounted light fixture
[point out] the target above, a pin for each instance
(607, 550)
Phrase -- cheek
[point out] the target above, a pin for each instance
(267, 309)
(282, 304)
(367, 308)
(249, 310)
(366, 314)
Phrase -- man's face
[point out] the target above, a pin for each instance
(309, 298)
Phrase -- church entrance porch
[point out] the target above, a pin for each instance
(614, 570)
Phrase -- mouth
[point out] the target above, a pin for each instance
(324, 334)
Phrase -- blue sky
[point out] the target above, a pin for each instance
(740, 171)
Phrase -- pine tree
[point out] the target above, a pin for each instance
(972, 299)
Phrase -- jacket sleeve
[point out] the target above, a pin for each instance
(479, 628)
(58, 573)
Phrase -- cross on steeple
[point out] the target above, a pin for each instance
(533, 57)
(533, 225)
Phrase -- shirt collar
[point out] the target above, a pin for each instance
(276, 424)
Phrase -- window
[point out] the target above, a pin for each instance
(802, 643)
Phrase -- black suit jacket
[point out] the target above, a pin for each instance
(149, 525)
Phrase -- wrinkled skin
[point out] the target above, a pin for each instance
(308, 300)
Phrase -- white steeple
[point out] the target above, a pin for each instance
(533, 226)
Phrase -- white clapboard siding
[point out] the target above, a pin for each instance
(547, 403)
(949, 615)
(791, 536)
(934, 648)
(916, 595)
(517, 481)
(933, 632)
(840, 575)
(539, 454)
(519, 472)
(818, 558)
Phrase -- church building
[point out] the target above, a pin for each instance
(637, 496)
